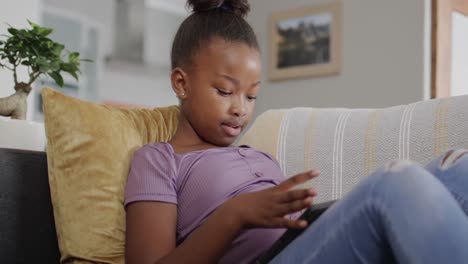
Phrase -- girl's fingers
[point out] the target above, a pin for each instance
(284, 222)
(287, 208)
(294, 195)
(297, 179)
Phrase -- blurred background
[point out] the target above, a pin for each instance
(389, 51)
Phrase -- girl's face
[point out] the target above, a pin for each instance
(221, 89)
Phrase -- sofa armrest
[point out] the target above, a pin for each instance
(27, 229)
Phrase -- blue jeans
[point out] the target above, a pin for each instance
(402, 213)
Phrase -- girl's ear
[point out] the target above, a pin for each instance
(179, 82)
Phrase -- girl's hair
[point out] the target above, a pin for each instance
(211, 18)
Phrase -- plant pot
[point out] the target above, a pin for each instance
(22, 134)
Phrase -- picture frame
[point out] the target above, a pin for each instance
(305, 42)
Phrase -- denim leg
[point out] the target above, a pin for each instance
(451, 169)
(401, 213)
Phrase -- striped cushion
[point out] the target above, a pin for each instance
(348, 144)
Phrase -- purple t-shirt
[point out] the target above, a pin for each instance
(200, 181)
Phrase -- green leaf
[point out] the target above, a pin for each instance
(43, 64)
(57, 78)
(13, 31)
(40, 61)
(32, 24)
(54, 66)
(44, 68)
(70, 68)
(73, 57)
(73, 74)
(24, 35)
(45, 31)
(57, 50)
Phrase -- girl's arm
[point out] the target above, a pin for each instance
(151, 235)
(150, 231)
(151, 226)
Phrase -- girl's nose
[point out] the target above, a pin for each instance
(238, 107)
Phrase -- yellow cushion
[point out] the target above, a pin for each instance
(89, 150)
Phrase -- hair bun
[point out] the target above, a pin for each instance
(238, 7)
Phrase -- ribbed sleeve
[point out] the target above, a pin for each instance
(151, 178)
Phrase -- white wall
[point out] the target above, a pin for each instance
(16, 14)
(124, 82)
(101, 12)
(137, 85)
(160, 29)
(385, 56)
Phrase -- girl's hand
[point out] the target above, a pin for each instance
(270, 207)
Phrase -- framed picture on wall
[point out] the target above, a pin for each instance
(305, 42)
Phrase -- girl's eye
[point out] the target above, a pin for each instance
(251, 98)
(223, 92)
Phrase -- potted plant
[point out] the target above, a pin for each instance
(31, 48)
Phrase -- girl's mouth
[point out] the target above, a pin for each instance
(232, 131)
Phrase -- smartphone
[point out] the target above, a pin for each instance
(310, 215)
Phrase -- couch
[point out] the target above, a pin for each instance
(27, 230)
(346, 144)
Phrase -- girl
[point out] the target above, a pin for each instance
(198, 199)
